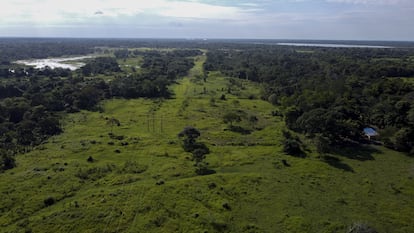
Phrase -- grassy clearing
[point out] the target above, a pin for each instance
(141, 180)
(408, 80)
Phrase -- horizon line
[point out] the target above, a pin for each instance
(200, 38)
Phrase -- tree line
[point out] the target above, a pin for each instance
(31, 104)
(331, 94)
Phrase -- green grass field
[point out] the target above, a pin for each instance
(141, 180)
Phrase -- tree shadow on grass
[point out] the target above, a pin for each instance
(239, 129)
(356, 152)
(337, 163)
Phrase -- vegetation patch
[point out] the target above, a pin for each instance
(277, 149)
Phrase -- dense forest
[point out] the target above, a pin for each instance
(331, 94)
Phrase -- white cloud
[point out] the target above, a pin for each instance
(373, 2)
(200, 10)
(61, 11)
(209, 18)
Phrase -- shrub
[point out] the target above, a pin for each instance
(190, 134)
(7, 162)
(49, 201)
(292, 145)
(322, 144)
(231, 117)
(202, 169)
(198, 149)
(273, 99)
(199, 155)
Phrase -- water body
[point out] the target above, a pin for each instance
(335, 45)
(56, 62)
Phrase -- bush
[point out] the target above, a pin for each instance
(322, 144)
(90, 159)
(202, 169)
(273, 99)
(402, 140)
(49, 201)
(292, 145)
(198, 149)
(199, 155)
(7, 162)
(190, 134)
(231, 117)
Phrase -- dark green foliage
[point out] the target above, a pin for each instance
(23, 124)
(219, 226)
(7, 161)
(331, 92)
(23, 48)
(332, 124)
(28, 104)
(100, 65)
(88, 97)
(140, 86)
(190, 134)
(253, 119)
(239, 129)
(198, 149)
(121, 53)
(158, 71)
(291, 115)
(9, 90)
(170, 65)
(231, 117)
(273, 99)
(292, 145)
(49, 201)
(322, 144)
(403, 140)
(199, 154)
(202, 169)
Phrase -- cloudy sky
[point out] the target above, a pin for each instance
(267, 19)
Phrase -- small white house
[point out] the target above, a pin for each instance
(370, 132)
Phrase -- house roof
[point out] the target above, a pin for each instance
(370, 132)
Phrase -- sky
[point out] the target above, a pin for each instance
(245, 19)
